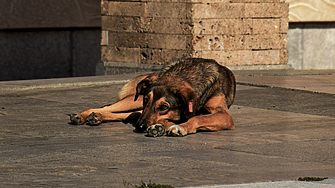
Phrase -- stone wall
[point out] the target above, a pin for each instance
(233, 32)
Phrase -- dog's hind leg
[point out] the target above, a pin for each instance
(117, 111)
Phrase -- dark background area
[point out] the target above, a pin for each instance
(49, 38)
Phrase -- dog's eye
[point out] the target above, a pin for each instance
(163, 107)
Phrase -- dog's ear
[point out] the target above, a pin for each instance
(191, 105)
(190, 100)
(144, 85)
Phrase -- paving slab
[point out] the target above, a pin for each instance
(280, 135)
(318, 81)
(40, 85)
(280, 184)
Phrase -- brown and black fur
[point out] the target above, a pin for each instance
(188, 96)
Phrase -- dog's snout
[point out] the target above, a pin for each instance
(142, 127)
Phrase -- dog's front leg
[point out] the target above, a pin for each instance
(219, 119)
(211, 122)
(159, 129)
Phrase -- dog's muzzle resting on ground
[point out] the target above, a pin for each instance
(188, 96)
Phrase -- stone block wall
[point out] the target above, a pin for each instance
(233, 32)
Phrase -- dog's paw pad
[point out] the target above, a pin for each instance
(176, 130)
(75, 119)
(92, 119)
(155, 130)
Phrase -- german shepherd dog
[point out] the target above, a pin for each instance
(188, 96)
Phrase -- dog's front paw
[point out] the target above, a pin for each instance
(76, 119)
(176, 130)
(93, 119)
(155, 130)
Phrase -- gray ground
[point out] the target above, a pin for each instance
(284, 130)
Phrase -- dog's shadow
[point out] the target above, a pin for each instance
(132, 119)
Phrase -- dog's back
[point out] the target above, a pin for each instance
(206, 76)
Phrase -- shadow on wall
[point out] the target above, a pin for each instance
(36, 54)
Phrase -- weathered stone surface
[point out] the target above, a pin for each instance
(230, 58)
(104, 7)
(119, 23)
(245, 57)
(167, 10)
(209, 1)
(126, 8)
(104, 36)
(147, 25)
(167, 25)
(129, 40)
(284, 8)
(163, 56)
(254, 1)
(164, 41)
(218, 10)
(218, 42)
(266, 57)
(310, 11)
(120, 54)
(157, 42)
(283, 56)
(271, 41)
(284, 25)
(232, 32)
(283, 41)
(265, 26)
(267, 10)
(223, 26)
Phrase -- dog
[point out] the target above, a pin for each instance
(187, 96)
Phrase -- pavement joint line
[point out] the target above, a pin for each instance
(65, 85)
(286, 88)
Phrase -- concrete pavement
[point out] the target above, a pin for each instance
(278, 184)
(284, 130)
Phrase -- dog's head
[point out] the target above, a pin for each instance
(165, 100)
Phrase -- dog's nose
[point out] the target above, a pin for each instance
(142, 128)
